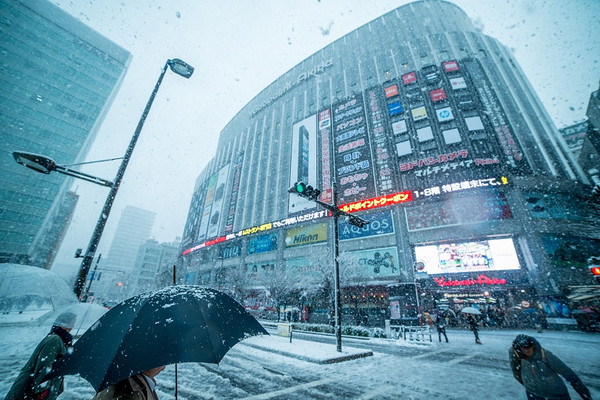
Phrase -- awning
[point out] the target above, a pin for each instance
(581, 293)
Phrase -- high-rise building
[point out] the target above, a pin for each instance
(589, 158)
(133, 229)
(574, 136)
(57, 81)
(427, 128)
(154, 266)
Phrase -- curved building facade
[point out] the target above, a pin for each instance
(422, 125)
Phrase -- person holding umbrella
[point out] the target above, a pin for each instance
(30, 383)
(173, 325)
(474, 326)
(137, 387)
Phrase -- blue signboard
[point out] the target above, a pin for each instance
(380, 223)
(263, 243)
(395, 108)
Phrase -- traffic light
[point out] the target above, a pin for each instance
(304, 190)
(594, 266)
(357, 221)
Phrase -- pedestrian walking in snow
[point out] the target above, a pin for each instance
(440, 324)
(474, 326)
(141, 386)
(28, 384)
(538, 370)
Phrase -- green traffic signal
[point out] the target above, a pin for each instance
(304, 190)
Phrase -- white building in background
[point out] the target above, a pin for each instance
(154, 266)
(134, 228)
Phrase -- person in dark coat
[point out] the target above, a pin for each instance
(440, 324)
(538, 370)
(474, 326)
(141, 386)
(28, 384)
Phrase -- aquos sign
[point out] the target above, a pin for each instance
(318, 69)
(380, 223)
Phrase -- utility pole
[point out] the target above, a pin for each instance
(306, 191)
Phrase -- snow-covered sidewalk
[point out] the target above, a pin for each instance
(269, 367)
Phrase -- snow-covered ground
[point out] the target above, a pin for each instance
(257, 369)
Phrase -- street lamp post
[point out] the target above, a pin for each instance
(338, 294)
(180, 68)
(417, 267)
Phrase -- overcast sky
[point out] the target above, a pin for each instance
(238, 47)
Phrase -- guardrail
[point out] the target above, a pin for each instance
(411, 333)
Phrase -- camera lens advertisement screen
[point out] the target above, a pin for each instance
(486, 255)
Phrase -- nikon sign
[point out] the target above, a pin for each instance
(306, 235)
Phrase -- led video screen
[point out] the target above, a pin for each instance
(486, 255)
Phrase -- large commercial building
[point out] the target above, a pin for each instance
(427, 128)
(57, 81)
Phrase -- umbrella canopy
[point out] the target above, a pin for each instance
(87, 314)
(470, 310)
(172, 325)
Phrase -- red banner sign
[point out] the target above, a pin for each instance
(391, 91)
(481, 280)
(409, 78)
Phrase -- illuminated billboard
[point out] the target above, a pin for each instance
(484, 255)
(353, 162)
(303, 161)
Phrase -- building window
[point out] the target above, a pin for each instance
(451, 136)
(403, 148)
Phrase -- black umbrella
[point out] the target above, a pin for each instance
(172, 325)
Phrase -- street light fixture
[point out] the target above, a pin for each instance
(46, 165)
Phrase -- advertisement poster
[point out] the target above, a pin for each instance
(303, 270)
(326, 156)
(237, 171)
(210, 194)
(383, 160)
(485, 255)
(352, 150)
(380, 223)
(303, 161)
(310, 234)
(262, 243)
(372, 263)
(255, 274)
(484, 206)
(219, 197)
(497, 117)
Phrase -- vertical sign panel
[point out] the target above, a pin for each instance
(497, 117)
(237, 171)
(383, 164)
(217, 208)
(210, 194)
(352, 151)
(303, 161)
(325, 147)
